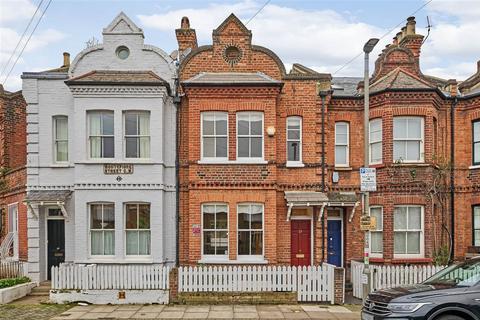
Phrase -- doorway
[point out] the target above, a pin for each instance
(301, 242)
(335, 241)
(55, 244)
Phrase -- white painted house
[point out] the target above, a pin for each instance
(101, 155)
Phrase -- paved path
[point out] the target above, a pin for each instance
(209, 312)
(31, 311)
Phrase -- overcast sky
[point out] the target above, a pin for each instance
(323, 35)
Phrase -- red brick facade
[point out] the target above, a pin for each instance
(13, 159)
(398, 89)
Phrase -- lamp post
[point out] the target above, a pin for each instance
(367, 48)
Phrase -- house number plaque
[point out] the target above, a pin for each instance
(117, 168)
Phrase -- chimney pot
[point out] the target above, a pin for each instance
(66, 59)
(478, 66)
(404, 31)
(185, 24)
(411, 26)
(395, 40)
(399, 37)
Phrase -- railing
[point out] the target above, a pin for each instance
(12, 269)
(313, 283)
(6, 247)
(390, 276)
(110, 277)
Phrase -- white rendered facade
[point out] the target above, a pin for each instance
(84, 174)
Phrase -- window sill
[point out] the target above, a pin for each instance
(60, 165)
(226, 261)
(477, 166)
(411, 164)
(377, 165)
(117, 161)
(401, 260)
(293, 164)
(342, 169)
(116, 261)
(232, 162)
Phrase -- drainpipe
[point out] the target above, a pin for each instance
(323, 95)
(176, 101)
(452, 177)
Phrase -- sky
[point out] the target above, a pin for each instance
(320, 34)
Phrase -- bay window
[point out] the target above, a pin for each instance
(408, 230)
(137, 134)
(214, 135)
(60, 138)
(101, 134)
(137, 228)
(215, 229)
(102, 229)
(408, 139)
(250, 135)
(375, 138)
(250, 230)
(294, 139)
(341, 144)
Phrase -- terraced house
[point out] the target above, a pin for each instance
(101, 155)
(269, 160)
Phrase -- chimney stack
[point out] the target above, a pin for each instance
(66, 59)
(186, 37)
(452, 87)
(411, 25)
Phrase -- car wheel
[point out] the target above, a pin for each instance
(449, 317)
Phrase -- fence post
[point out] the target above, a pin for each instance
(173, 280)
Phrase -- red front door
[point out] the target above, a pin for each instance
(301, 242)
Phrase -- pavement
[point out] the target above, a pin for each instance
(308, 311)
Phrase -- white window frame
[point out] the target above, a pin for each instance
(56, 140)
(475, 162)
(101, 256)
(138, 136)
(421, 230)
(251, 159)
(89, 114)
(299, 140)
(347, 146)
(16, 247)
(137, 229)
(474, 208)
(372, 141)
(250, 257)
(421, 140)
(215, 257)
(202, 135)
(376, 254)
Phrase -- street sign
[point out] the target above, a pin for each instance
(368, 223)
(368, 179)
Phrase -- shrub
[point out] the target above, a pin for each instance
(5, 283)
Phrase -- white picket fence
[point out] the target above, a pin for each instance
(389, 276)
(110, 277)
(313, 283)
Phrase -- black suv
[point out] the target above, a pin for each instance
(451, 294)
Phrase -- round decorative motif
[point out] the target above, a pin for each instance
(232, 54)
(122, 52)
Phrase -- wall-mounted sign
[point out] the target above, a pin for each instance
(368, 223)
(118, 168)
(368, 179)
(196, 230)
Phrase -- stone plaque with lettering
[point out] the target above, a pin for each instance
(117, 168)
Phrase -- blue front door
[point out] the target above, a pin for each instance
(334, 242)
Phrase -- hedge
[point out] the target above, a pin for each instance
(5, 283)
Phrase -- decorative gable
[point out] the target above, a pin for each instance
(122, 25)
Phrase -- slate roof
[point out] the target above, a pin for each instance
(400, 79)
(48, 195)
(231, 78)
(345, 86)
(118, 77)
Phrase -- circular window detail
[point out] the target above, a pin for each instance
(232, 54)
(123, 52)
